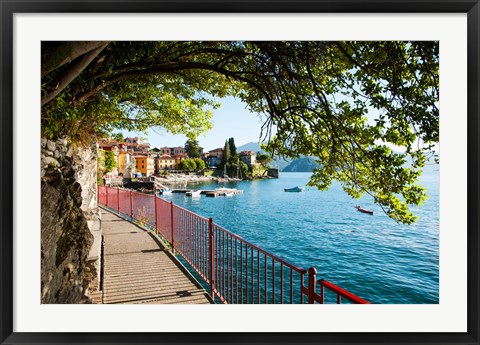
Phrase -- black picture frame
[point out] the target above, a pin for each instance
(10, 7)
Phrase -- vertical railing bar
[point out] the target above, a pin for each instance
(273, 281)
(106, 195)
(258, 277)
(291, 286)
(246, 273)
(172, 225)
(339, 299)
(265, 285)
(231, 269)
(322, 292)
(311, 284)
(253, 280)
(222, 267)
(155, 203)
(236, 271)
(281, 283)
(211, 257)
(302, 280)
(241, 272)
(131, 205)
(118, 200)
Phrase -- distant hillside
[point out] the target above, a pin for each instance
(255, 147)
(278, 162)
(305, 164)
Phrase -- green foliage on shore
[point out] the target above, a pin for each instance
(346, 103)
(109, 162)
(192, 147)
(187, 165)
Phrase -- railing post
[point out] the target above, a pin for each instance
(131, 205)
(312, 271)
(118, 200)
(106, 195)
(210, 244)
(322, 292)
(155, 205)
(173, 226)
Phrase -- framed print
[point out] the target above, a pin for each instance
(369, 97)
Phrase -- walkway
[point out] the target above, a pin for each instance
(138, 269)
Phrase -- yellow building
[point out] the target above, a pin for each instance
(165, 162)
(125, 162)
(145, 165)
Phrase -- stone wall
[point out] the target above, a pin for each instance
(69, 258)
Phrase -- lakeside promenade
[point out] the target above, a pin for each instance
(137, 268)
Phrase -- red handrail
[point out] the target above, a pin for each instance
(340, 292)
(236, 270)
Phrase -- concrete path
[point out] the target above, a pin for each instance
(138, 269)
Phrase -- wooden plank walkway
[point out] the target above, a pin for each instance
(137, 268)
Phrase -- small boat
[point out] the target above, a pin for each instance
(164, 191)
(364, 210)
(193, 193)
(294, 189)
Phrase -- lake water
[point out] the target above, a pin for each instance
(369, 255)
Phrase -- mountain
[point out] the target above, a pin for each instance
(278, 162)
(252, 146)
(306, 164)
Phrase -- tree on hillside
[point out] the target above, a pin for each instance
(191, 148)
(264, 159)
(233, 149)
(346, 103)
(226, 153)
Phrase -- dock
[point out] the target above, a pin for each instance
(139, 269)
(212, 192)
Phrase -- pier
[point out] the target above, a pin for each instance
(212, 192)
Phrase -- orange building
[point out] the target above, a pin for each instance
(145, 165)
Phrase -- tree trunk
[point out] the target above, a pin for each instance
(71, 73)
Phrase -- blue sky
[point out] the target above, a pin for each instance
(232, 119)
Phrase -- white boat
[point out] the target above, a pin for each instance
(193, 193)
(294, 189)
(164, 191)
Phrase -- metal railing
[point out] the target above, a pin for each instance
(235, 270)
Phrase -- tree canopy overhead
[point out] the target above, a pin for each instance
(346, 103)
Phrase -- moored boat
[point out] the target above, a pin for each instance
(294, 189)
(364, 210)
(193, 193)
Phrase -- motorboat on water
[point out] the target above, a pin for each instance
(364, 210)
(164, 191)
(294, 189)
(193, 192)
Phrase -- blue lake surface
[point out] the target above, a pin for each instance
(371, 256)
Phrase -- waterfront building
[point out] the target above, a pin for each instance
(179, 158)
(126, 163)
(165, 162)
(137, 145)
(145, 164)
(248, 157)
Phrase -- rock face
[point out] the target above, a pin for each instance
(68, 220)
